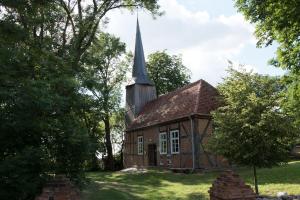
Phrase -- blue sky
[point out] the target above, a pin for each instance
(206, 33)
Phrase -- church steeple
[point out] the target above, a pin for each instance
(139, 72)
(140, 90)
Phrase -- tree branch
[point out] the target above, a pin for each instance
(64, 34)
(65, 7)
(79, 11)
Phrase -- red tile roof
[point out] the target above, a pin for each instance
(195, 98)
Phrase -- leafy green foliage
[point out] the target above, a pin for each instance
(291, 103)
(278, 21)
(21, 174)
(40, 131)
(167, 72)
(250, 127)
(105, 71)
(117, 133)
(42, 48)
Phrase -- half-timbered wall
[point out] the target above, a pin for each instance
(206, 159)
(151, 136)
(184, 159)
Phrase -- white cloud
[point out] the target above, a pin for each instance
(205, 42)
(240, 67)
(178, 12)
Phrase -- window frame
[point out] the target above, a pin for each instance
(140, 145)
(172, 139)
(163, 140)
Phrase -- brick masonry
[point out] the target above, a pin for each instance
(229, 186)
(60, 188)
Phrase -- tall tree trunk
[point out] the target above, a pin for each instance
(94, 163)
(255, 180)
(122, 153)
(109, 159)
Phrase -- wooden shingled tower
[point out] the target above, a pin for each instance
(141, 89)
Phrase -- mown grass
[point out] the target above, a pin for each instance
(164, 185)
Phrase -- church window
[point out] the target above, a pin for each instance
(174, 138)
(163, 143)
(140, 145)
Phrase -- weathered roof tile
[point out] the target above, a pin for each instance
(196, 98)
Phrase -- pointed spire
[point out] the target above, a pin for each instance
(139, 72)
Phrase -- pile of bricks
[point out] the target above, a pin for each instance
(230, 186)
(60, 188)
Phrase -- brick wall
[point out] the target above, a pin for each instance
(60, 188)
(229, 186)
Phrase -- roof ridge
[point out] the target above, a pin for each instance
(198, 97)
(181, 88)
(170, 93)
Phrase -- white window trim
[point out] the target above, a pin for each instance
(160, 143)
(138, 145)
(171, 141)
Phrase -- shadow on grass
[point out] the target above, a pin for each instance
(151, 185)
(285, 174)
(96, 191)
(125, 190)
(154, 184)
(196, 196)
(155, 178)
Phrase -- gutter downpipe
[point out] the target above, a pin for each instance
(193, 143)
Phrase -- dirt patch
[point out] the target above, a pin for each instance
(134, 170)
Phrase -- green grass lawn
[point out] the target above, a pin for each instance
(167, 185)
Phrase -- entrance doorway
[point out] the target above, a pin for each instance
(152, 160)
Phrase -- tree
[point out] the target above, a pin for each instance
(118, 127)
(42, 47)
(279, 21)
(70, 25)
(104, 74)
(91, 116)
(250, 127)
(291, 104)
(41, 132)
(167, 72)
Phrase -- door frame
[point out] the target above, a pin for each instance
(154, 153)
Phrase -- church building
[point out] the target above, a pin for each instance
(171, 130)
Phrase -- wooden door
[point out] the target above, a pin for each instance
(152, 160)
